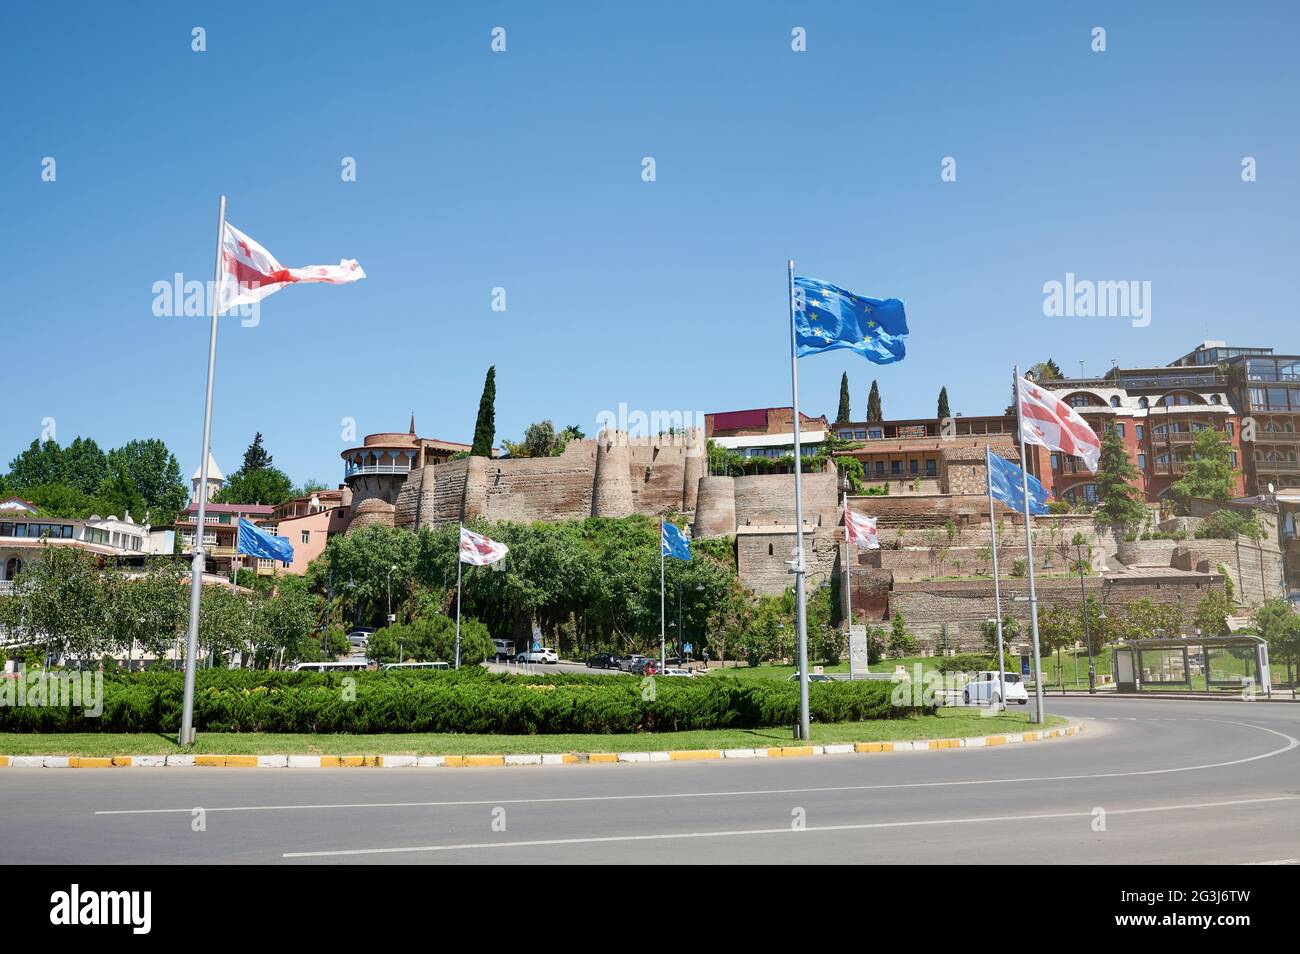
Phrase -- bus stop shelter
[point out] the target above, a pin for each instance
(1192, 663)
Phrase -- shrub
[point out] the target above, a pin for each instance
(468, 700)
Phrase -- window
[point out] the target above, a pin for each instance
(1143, 403)
(1119, 429)
(1114, 402)
(1090, 493)
(846, 435)
(1056, 462)
(875, 433)
(896, 468)
(1079, 400)
(1142, 461)
(1232, 459)
(306, 537)
(931, 467)
(1140, 430)
(860, 434)
(880, 468)
(1230, 428)
(913, 467)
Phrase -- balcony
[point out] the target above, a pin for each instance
(1177, 467)
(365, 470)
(1276, 437)
(1276, 466)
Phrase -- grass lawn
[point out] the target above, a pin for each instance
(945, 724)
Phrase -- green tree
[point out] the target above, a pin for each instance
(1119, 502)
(944, 410)
(1279, 625)
(268, 486)
(1210, 474)
(61, 603)
(117, 494)
(256, 457)
(874, 410)
(41, 463)
(85, 466)
(285, 621)
(147, 610)
(901, 642)
(485, 423)
(1212, 612)
(57, 500)
(431, 639)
(571, 433)
(1047, 370)
(154, 472)
(538, 441)
(843, 415)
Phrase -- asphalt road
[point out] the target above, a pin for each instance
(1178, 781)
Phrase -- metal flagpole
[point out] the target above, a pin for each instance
(801, 623)
(458, 568)
(1039, 717)
(200, 556)
(662, 656)
(848, 577)
(997, 586)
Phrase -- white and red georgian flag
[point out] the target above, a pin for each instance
(249, 272)
(1049, 422)
(861, 530)
(479, 550)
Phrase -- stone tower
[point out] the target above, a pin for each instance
(612, 489)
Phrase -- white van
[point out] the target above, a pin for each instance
(416, 665)
(503, 650)
(346, 665)
(986, 687)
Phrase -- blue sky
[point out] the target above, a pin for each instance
(523, 170)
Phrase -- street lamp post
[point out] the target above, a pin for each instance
(1083, 595)
(389, 586)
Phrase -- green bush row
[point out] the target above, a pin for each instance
(456, 702)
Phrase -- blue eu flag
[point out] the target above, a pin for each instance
(1005, 485)
(673, 542)
(827, 317)
(256, 542)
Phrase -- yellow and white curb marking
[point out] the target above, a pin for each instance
(483, 761)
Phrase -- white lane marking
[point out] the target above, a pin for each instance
(786, 830)
(1291, 744)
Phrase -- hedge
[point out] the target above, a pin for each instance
(471, 700)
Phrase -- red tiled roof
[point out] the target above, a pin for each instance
(262, 509)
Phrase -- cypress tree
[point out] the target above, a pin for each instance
(485, 426)
(874, 412)
(844, 415)
(944, 410)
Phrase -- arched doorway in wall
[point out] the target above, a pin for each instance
(13, 566)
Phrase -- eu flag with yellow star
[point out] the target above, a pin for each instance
(827, 317)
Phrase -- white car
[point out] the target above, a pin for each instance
(675, 671)
(986, 687)
(543, 655)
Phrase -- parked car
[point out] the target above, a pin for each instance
(543, 655)
(986, 687)
(415, 665)
(503, 650)
(643, 665)
(814, 677)
(603, 661)
(625, 663)
(675, 671)
(359, 638)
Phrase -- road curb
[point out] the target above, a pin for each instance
(485, 761)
